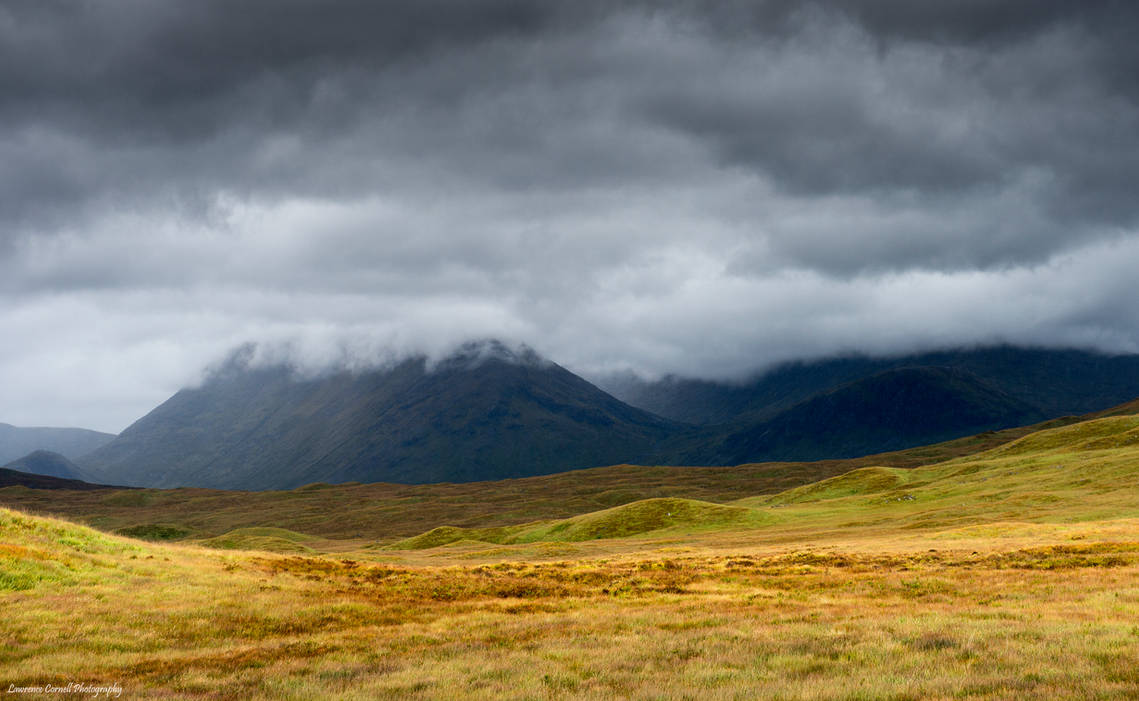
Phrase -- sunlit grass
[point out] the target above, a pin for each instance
(1010, 573)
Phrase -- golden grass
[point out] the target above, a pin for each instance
(827, 621)
(1008, 573)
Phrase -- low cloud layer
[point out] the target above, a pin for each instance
(702, 188)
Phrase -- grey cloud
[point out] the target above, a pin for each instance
(174, 101)
(694, 187)
(968, 22)
(177, 106)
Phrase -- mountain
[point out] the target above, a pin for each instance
(707, 402)
(487, 412)
(72, 443)
(891, 410)
(1054, 382)
(45, 462)
(490, 413)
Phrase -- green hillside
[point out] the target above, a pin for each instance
(1087, 471)
(1082, 472)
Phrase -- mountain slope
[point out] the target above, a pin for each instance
(485, 413)
(489, 413)
(72, 443)
(45, 462)
(1054, 382)
(892, 410)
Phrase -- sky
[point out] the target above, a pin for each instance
(699, 188)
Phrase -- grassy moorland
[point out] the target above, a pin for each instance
(1005, 572)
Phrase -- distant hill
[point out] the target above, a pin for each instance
(45, 462)
(485, 413)
(72, 443)
(1053, 382)
(16, 478)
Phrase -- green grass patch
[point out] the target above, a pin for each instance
(867, 480)
(21, 529)
(279, 540)
(1084, 435)
(638, 518)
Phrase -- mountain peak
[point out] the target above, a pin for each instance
(48, 463)
(488, 410)
(287, 360)
(17, 442)
(475, 353)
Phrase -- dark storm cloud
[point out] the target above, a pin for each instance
(134, 103)
(99, 99)
(946, 103)
(694, 187)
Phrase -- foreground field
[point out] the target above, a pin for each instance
(1007, 573)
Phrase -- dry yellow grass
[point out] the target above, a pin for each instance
(1009, 574)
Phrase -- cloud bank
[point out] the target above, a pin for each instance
(702, 188)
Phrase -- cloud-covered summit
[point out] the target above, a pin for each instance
(692, 187)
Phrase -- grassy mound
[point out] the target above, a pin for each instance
(637, 518)
(448, 535)
(278, 540)
(36, 551)
(20, 529)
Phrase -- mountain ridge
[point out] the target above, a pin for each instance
(473, 416)
(72, 443)
(892, 410)
(1057, 381)
(490, 412)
